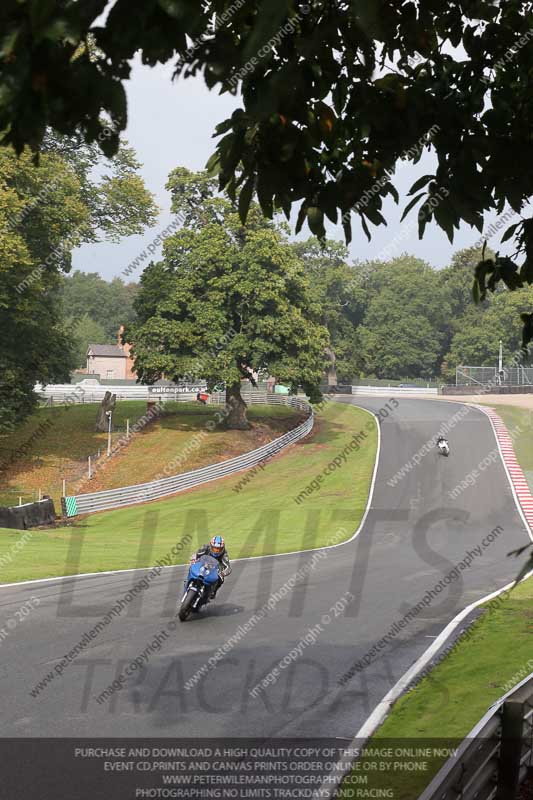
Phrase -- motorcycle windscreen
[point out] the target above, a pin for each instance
(205, 569)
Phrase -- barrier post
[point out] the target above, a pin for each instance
(512, 743)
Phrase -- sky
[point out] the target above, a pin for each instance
(171, 123)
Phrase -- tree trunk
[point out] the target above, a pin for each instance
(236, 418)
(107, 404)
(331, 370)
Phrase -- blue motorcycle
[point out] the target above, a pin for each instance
(201, 580)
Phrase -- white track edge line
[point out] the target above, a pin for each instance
(381, 711)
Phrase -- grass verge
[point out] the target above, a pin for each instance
(495, 655)
(261, 518)
(54, 444)
(520, 420)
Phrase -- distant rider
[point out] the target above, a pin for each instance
(442, 442)
(217, 549)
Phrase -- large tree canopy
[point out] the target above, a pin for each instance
(477, 340)
(340, 297)
(108, 303)
(228, 301)
(405, 321)
(45, 212)
(333, 94)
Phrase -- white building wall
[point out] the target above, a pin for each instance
(106, 367)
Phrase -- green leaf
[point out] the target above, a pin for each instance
(268, 21)
(391, 189)
(420, 183)
(265, 193)
(509, 232)
(347, 228)
(213, 165)
(365, 227)
(375, 216)
(315, 220)
(423, 216)
(302, 213)
(445, 218)
(223, 127)
(526, 271)
(245, 198)
(410, 205)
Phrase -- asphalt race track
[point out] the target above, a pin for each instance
(414, 535)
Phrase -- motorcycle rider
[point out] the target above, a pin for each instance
(442, 443)
(217, 549)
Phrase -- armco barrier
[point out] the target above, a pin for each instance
(154, 490)
(496, 756)
(480, 390)
(392, 390)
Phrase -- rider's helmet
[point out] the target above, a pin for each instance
(216, 546)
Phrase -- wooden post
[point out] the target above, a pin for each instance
(110, 423)
(64, 488)
(40, 495)
(90, 471)
(20, 500)
(128, 428)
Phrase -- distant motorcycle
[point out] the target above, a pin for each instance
(201, 580)
(444, 447)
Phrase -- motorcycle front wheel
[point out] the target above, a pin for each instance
(185, 608)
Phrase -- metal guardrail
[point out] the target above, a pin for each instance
(394, 390)
(154, 490)
(494, 760)
(451, 389)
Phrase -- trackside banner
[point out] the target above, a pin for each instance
(127, 769)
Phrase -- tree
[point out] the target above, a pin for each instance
(45, 212)
(334, 94)
(108, 303)
(457, 280)
(476, 342)
(228, 302)
(339, 297)
(404, 324)
(85, 331)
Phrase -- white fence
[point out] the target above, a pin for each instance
(393, 390)
(154, 490)
(85, 392)
(88, 392)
